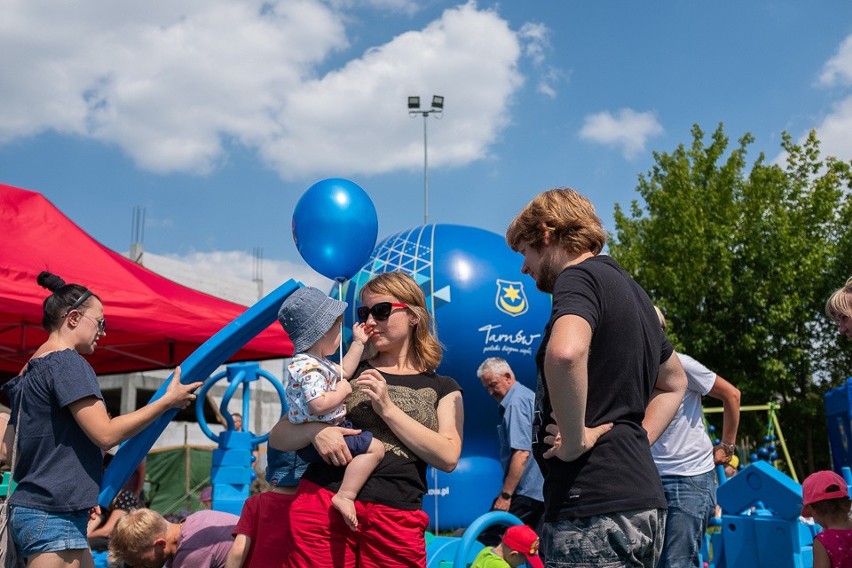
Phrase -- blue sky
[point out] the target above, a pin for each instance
(216, 115)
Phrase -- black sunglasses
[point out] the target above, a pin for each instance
(380, 311)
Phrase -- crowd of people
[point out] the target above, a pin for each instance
(606, 464)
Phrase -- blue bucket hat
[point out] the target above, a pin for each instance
(307, 314)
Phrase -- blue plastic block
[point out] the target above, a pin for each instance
(838, 416)
(739, 541)
(760, 482)
(228, 492)
(232, 475)
(780, 543)
(233, 440)
(233, 506)
(233, 458)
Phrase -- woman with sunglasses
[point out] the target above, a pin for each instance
(58, 410)
(416, 413)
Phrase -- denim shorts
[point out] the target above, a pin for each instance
(36, 531)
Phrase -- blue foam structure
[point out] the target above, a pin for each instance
(197, 367)
(452, 552)
(762, 527)
(760, 482)
(838, 417)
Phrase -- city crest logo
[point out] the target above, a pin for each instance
(511, 298)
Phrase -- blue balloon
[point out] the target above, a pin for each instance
(335, 227)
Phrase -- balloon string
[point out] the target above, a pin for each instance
(340, 347)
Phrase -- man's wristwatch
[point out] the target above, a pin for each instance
(504, 495)
(729, 448)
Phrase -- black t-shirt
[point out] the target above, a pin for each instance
(627, 348)
(400, 479)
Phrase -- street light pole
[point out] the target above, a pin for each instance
(436, 110)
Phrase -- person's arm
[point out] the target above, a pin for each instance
(94, 522)
(666, 398)
(4, 423)
(140, 482)
(328, 440)
(238, 552)
(6, 445)
(441, 449)
(821, 559)
(566, 371)
(329, 400)
(91, 414)
(105, 529)
(356, 349)
(517, 463)
(730, 397)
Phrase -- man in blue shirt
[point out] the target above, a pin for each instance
(521, 493)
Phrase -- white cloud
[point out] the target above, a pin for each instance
(354, 119)
(231, 273)
(535, 38)
(833, 131)
(627, 129)
(174, 83)
(838, 69)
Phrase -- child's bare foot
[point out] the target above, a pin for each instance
(347, 509)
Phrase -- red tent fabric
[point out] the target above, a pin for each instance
(152, 322)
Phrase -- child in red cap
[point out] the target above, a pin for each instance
(825, 497)
(519, 545)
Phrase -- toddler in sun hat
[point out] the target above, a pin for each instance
(825, 497)
(317, 387)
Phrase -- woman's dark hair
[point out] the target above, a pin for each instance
(65, 297)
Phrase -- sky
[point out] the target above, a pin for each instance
(215, 116)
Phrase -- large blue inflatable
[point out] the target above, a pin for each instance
(483, 307)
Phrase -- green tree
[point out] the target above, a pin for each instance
(741, 260)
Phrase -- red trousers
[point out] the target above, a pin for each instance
(386, 537)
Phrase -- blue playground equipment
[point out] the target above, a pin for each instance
(766, 531)
(196, 367)
(838, 415)
(459, 552)
(232, 471)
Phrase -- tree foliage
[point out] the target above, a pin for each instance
(741, 259)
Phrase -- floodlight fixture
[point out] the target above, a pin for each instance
(437, 110)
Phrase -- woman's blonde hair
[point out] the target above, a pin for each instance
(426, 349)
(840, 302)
(567, 215)
(135, 533)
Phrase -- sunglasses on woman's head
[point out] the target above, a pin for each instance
(380, 311)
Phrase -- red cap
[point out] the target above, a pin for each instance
(523, 539)
(821, 486)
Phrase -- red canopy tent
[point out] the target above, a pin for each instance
(152, 322)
